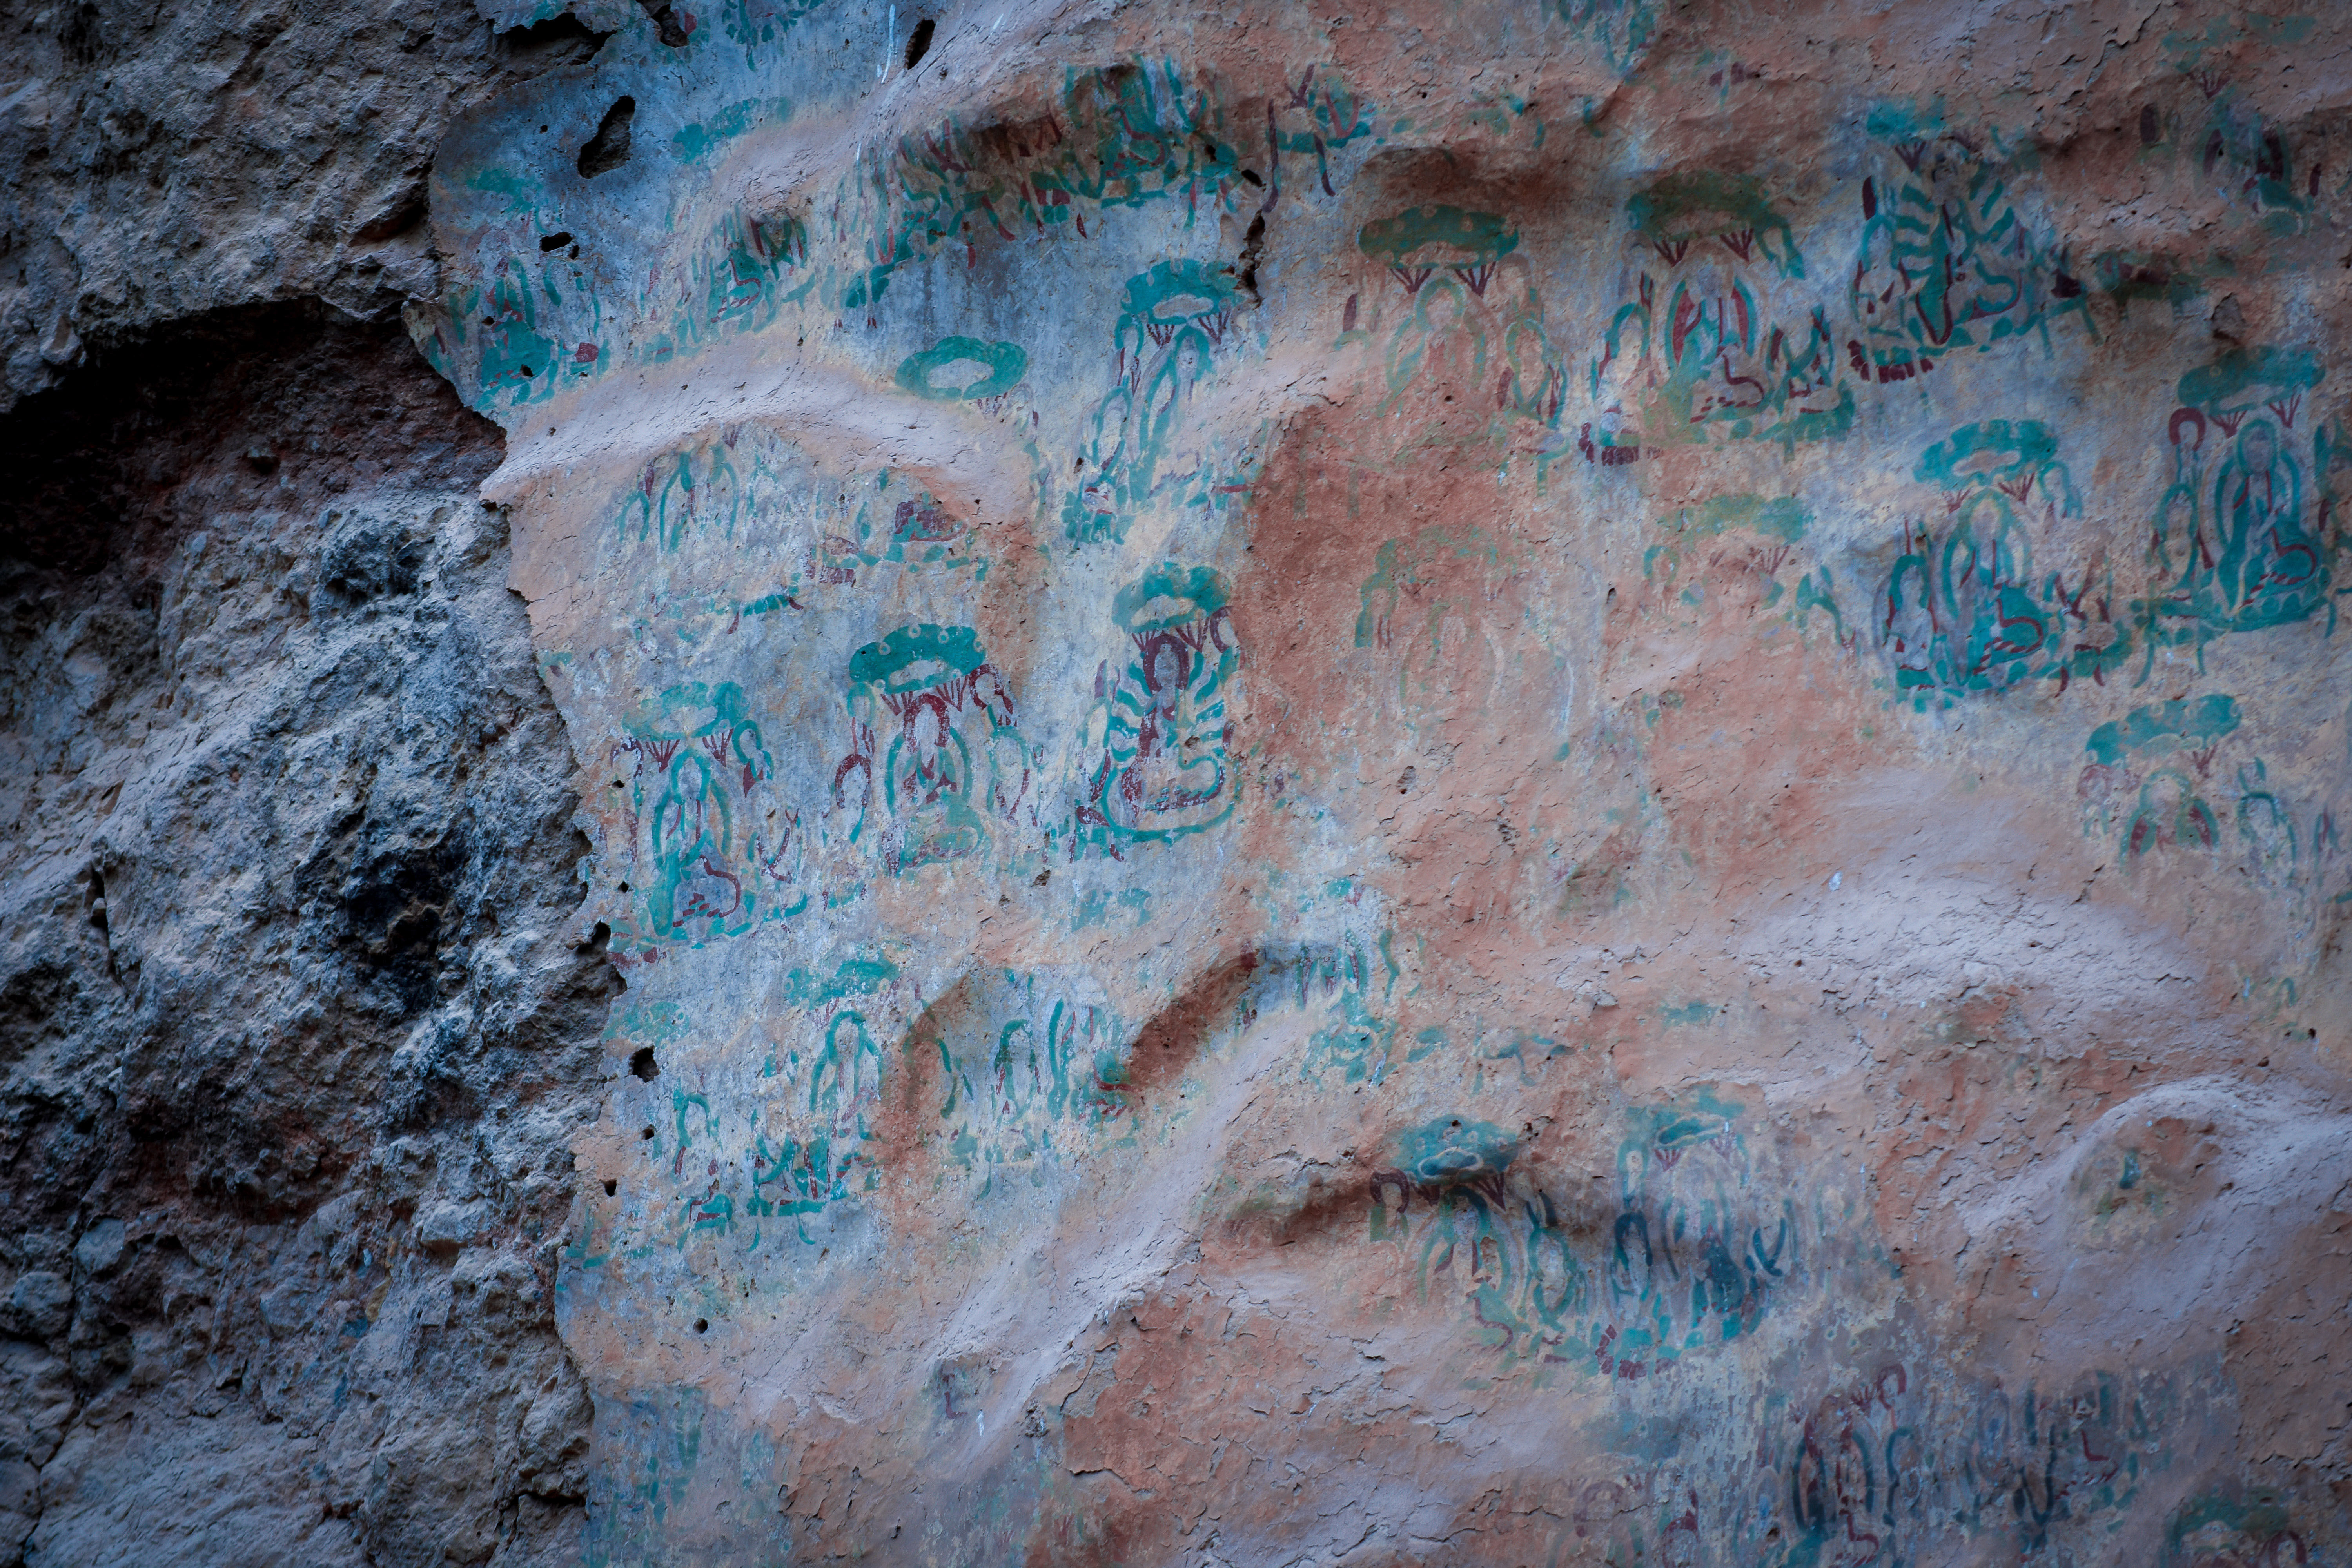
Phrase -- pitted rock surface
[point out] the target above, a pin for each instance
(294, 1030)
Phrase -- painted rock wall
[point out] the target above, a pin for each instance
(1548, 783)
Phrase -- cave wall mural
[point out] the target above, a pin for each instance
(1554, 784)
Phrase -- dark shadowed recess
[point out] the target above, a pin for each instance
(278, 407)
(296, 1020)
(263, 426)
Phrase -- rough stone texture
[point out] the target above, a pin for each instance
(291, 1022)
(1476, 784)
(164, 161)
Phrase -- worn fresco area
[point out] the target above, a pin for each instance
(1560, 784)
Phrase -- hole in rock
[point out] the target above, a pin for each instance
(919, 43)
(643, 1065)
(1253, 251)
(555, 241)
(609, 148)
(564, 38)
(666, 26)
(612, 1187)
(648, 1133)
(701, 1325)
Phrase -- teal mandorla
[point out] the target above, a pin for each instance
(1161, 721)
(932, 730)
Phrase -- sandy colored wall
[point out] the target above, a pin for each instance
(1498, 786)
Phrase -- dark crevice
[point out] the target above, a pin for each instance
(566, 35)
(609, 148)
(667, 25)
(208, 403)
(397, 218)
(1252, 252)
(295, 477)
(79, 33)
(556, 241)
(919, 43)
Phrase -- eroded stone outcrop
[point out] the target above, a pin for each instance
(167, 162)
(291, 1011)
(1468, 786)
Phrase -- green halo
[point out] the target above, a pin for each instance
(1151, 292)
(1452, 234)
(1006, 362)
(2026, 444)
(916, 659)
(1168, 595)
(2248, 378)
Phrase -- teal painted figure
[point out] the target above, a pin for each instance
(1695, 1251)
(845, 1072)
(1879, 1470)
(704, 866)
(2179, 774)
(1161, 720)
(932, 734)
(1416, 243)
(1718, 350)
(2234, 541)
(2145, 780)
(1621, 30)
(1175, 320)
(1471, 318)
(1963, 612)
(1948, 264)
(1040, 1061)
(895, 522)
(2234, 1528)
(1131, 135)
(725, 486)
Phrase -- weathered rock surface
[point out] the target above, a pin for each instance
(1477, 784)
(164, 161)
(290, 1015)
